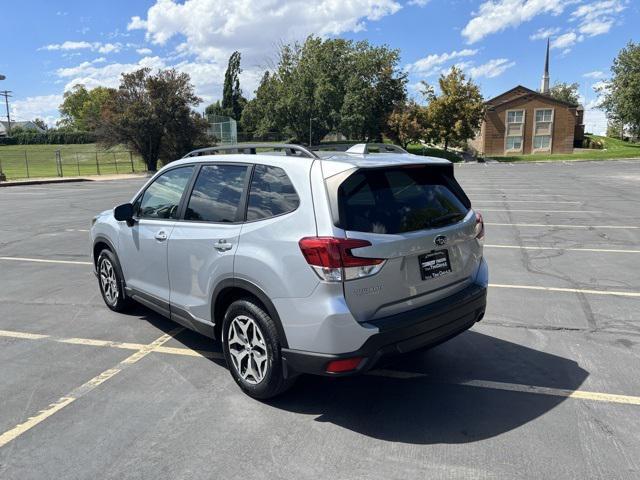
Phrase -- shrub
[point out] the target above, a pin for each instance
(50, 137)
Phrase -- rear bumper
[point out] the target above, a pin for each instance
(401, 333)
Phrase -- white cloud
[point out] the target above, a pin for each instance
(565, 40)
(594, 74)
(544, 33)
(214, 28)
(596, 26)
(82, 45)
(430, 64)
(598, 17)
(492, 68)
(43, 106)
(418, 3)
(496, 16)
(144, 51)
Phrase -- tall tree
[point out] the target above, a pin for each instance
(455, 114)
(232, 100)
(328, 85)
(622, 92)
(152, 114)
(567, 92)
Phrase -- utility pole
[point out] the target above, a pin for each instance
(6, 95)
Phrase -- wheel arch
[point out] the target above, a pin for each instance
(100, 243)
(229, 290)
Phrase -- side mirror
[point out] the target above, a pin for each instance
(124, 213)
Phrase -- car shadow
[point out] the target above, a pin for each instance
(394, 404)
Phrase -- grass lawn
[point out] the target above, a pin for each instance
(614, 148)
(33, 161)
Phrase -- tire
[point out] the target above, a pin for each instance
(248, 328)
(111, 282)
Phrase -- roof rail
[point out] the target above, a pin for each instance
(251, 149)
(364, 148)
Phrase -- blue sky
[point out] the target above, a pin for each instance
(49, 46)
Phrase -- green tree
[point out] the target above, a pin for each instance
(81, 108)
(215, 109)
(407, 124)
(328, 85)
(455, 114)
(566, 92)
(622, 92)
(41, 123)
(232, 100)
(152, 114)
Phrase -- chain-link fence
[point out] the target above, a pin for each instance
(18, 164)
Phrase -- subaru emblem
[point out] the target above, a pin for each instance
(440, 240)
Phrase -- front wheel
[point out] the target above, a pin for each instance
(252, 350)
(111, 282)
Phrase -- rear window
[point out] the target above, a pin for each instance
(398, 200)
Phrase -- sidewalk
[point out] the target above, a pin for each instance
(87, 178)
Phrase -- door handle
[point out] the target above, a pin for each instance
(222, 245)
(161, 236)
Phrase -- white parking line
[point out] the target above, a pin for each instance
(560, 225)
(567, 290)
(525, 201)
(77, 230)
(571, 249)
(538, 211)
(44, 260)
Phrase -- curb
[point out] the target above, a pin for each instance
(43, 181)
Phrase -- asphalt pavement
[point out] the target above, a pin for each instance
(545, 386)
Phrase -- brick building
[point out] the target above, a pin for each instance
(522, 121)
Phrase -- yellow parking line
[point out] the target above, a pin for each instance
(525, 247)
(518, 387)
(83, 389)
(560, 226)
(44, 260)
(568, 290)
(158, 347)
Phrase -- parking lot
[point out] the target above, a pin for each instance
(546, 386)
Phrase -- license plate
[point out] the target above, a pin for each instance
(434, 264)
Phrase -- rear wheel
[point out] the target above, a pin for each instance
(111, 282)
(252, 350)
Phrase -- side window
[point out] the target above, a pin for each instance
(271, 193)
(217, 193)
(162, 197)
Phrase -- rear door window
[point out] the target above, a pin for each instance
(271, 193)
(398, 200)
(217, 194)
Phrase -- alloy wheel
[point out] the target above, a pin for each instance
(108, 281)
(247, 349)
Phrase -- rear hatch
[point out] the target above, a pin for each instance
(419, 221)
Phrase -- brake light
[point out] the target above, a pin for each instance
(331, 258)
(479, 226)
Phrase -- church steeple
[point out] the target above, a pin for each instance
(544, 85)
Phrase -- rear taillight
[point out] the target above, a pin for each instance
(479, 226)
(331, 258)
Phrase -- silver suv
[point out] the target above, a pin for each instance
(299, 261)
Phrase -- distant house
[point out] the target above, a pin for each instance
(4, 127)
(522, 121)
